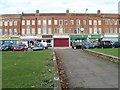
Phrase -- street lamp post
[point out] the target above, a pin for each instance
(82, 34)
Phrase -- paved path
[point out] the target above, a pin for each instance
(84, 70)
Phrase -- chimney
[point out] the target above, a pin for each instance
(37, 12)
(98, 12)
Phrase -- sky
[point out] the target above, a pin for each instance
(58, 6)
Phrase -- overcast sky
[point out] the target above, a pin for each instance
(57, 6)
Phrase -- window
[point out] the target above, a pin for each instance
(15, 32)
(72, 22)
(5, 23)
(84, 22)
(0, 23)
(78, 30)
(90, 30)
(95, 30)
(65, 22)
(90, 22)
(115, 22)
(0, 32)
(10, 31)
(95, 22)
(99, 22)
(60, 22)
(44, 22)
(106, 30)
(39, 31)
(44, 30)
(5, 32)
(33, 31)
(49, 22)
(55, 22)
(111, 30)
(39, 22)
(33, 22)
(15, 23)
(23, 31)
(23, 22)
(10, 23)
(78, 22)
(61, 30)
(119, 21)
(119, 30)
(56, 30)
(99, 30)
(84, 30)
(28, 31)
(106, 22)
(72, 30)
(65, 30)
(28, 22)
(111, 22)
(115, 30)
(49, 30)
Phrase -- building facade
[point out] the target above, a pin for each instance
(58, 29)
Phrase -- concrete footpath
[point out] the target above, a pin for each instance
(87, 71)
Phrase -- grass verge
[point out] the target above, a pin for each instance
(31, 69)
(109, 51)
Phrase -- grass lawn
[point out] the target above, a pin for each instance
(28, 69)
(109, 51)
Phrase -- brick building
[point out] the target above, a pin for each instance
(58, 29)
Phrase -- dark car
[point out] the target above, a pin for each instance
(88, 45)
(20, 47)
(38, 46)
(76, 45)
(6, 47)
(104, 44)
(116, 44)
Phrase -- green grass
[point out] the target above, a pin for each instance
(31, 69)
(109, 51)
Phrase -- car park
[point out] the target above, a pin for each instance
(116, 44)
(104, 44)
(20, 47)
(88, 45)
(38, 46)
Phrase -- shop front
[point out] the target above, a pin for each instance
(9, 39)
(94, 38)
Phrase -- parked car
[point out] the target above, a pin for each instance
(38, 46)
(6, 47)
(116, 44)
(88, 45)
(20, 47)
(76, 45)
(45, 44)
(104, 44)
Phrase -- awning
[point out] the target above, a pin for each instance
(96, 36)
(78, 37)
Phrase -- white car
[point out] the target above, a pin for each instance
(45, 45)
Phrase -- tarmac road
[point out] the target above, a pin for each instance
(87, 71)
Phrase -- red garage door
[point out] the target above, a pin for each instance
(61, 42)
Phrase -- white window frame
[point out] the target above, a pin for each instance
(95, 30)
(15, 31)
(49, 30)
(71, 22)
(0, 31)
(23, 22)
(5, 32)
(33, 31)
(15, 23)
(39, 22)
(33, 22)
(55, 22)
(28, 31)
(49, 22)
(111, 30)
(10, 32)
(39, 31)
(65, 22)
(44, 22)
(1, 23)
(90, 30)
(28, 22)
(78, 22)
(44, 30)
(6, 23)
(60, 22)
(95, 22)
(90, 22)
(10, 23)
(99, 22)
(99, 30)
(23, 31)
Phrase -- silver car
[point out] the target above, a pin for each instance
(38, 46)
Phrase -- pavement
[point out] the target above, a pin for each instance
(87, 71)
